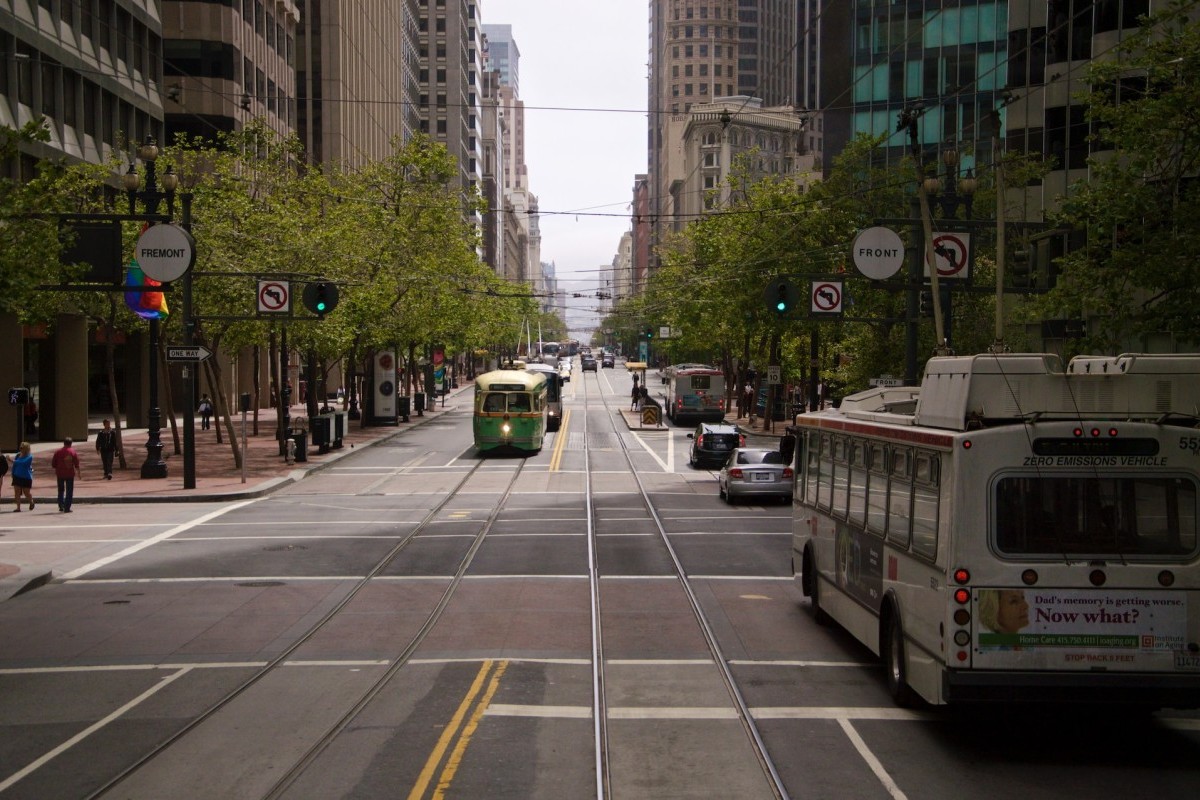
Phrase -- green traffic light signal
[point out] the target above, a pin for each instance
(321, 297)
(781, 296)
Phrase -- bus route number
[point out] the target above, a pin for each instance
(1190, 443)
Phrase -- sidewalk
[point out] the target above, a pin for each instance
(217, 475)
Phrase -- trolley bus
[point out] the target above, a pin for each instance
(510, 411)
(554, 384)
(1012, 530)
(696, 395)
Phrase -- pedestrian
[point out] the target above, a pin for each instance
(636, 395)
(106, 446)
(3, 470)
(66, 468)
(206, 410)
(22, 476)
(748, 399)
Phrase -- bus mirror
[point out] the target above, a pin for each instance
(787, 448)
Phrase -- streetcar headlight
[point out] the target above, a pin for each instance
(506, 428)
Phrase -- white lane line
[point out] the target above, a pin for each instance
(872, 761)
(778, 578)
(543, 712)
(153, 540)
(653, 454)
(819, 664)
(886, 713)
(88, 731)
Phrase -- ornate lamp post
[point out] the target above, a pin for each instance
(151, 197)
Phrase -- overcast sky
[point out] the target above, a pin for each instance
(582, 78)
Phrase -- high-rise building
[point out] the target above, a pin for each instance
(504, 55)
(94, 72)
(450, 47)
(225, 64)
(355, 77)
(703, 50)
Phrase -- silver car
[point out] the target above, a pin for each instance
(755, 472)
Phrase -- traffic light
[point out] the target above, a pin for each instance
(321, 297)
(1020, 267)
(781, 296)
(926, 307)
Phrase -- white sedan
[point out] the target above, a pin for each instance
(564, 370)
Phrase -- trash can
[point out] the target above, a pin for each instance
(321, 429)
(339, 428)
(403, 403)
(419, 403)
(300, 437)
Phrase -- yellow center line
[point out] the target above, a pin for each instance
(560, 441)
(456, 756)
(443, 742)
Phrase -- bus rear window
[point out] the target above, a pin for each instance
(1113, 517)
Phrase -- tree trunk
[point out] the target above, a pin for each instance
(221, 407)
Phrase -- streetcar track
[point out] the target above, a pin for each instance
(741, 709)
(282, 660)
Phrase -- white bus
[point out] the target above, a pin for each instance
(696, 394)
(1012, 531)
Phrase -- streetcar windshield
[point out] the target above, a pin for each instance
(495, 403)
(1117, 517)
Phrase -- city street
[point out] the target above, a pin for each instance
(412, 619)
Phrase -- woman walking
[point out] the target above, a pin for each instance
(22, 476)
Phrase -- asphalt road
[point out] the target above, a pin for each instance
(142, 671)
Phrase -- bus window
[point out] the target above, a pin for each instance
(841, 478)
(494, 403)
(857, 511)
(812, 479)
(702, 382)
(899, 498)
(925, 506)
(518, 403)
(876, 489)
(1118, 517)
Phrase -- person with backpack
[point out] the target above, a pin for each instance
(206, 410)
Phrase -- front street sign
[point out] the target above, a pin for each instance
(197, 353)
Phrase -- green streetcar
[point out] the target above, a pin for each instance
(510, 411)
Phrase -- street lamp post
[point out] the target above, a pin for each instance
(154, 466)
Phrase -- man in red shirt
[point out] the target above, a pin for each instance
(66, 468)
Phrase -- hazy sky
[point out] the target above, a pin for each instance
(583, 81)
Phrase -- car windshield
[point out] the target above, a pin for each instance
(760, 457)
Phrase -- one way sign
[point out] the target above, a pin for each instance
(196, 353)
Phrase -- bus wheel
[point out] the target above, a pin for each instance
(893, 663)
(811, 584)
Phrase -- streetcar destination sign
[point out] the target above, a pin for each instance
(196, 353)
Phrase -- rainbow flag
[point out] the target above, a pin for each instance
(147, 305)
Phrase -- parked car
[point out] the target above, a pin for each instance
(608, 360)
(755, 472)
(712, 442)
(587, 363)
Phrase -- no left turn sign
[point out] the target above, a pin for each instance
(951, 253)
(274, 297)
(827, 297)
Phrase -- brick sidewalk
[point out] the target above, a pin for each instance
(217, 474)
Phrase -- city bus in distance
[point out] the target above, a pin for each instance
(510, 411)
(1012, 530)
(696, 394)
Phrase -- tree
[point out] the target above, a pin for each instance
(1137, 274)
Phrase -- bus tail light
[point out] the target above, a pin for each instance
(962, 596)
(962, 638)
(961, 616)
(1166, 578)
(962, 655)
(1029, 577)
(962, 576)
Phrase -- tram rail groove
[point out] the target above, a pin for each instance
(743, 710)
(405, 655)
